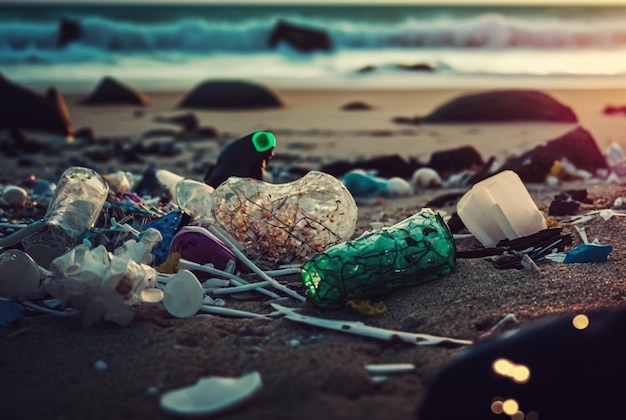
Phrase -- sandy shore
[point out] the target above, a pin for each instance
(309, 373)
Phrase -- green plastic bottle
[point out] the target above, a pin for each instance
(415, 250)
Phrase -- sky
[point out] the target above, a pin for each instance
(435, 2)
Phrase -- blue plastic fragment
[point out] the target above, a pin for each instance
(9, 311)
(362, 184)
(168, 225)
(588, 253)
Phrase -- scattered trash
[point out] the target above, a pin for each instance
(182, 296)
(358, 328)
(387, 369)
(588, 253)
(366, 307)
(78, 199)
(362, 184)
(211, 395)
(415, 250)
(285, 223)
(19, 275)
(500, 207)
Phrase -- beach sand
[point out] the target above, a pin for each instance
(47, 363)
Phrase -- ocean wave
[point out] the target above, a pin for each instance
(103, 38)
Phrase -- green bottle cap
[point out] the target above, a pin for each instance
(263, 141)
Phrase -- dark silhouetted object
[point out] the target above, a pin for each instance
(21, 108)
(231, 95)
(302, 39)
(563, 367)
(112, 92)
(69, 30)
(245, 158)
(502, 105)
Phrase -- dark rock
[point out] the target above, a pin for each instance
(21, 108)
(188, 121)
(560, 207)
(69, 30)
(85, 133)
(502, 105)
(111, 92)
(302, 39)
(452, 161)
(404, 120)
(206, 133)
(384, 166)
(356, 106)
(159, 132)
(612, 110)
(576, 146)
(366, 69)
(99, 155)
(416, 67)
(231, 95)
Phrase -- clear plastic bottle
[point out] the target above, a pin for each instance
(417, 249)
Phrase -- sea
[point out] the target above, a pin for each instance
(161, 47)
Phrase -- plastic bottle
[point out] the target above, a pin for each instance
(417, 249)
(245, 157)
(77, 202)
(288, 222)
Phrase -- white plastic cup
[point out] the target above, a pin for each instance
(498, 208)
(183, 294)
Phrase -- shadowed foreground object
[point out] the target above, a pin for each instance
(501, 106)
(567, 367)
(21, 108)
(231, 95)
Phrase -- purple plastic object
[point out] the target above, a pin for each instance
(198, 245)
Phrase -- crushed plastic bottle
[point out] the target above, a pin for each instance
(77, 202)
(415, 250)
(285, 222)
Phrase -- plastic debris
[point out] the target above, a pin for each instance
(362, 184)
(500, 207)
(359, 328)
(78, 199)
(391, 368)
(211, 395)
(588, 253)
(197, 244)
(289, 222)
(19, 275)
(9, 312)
(367, 307)
(183, 294)
(415, 250)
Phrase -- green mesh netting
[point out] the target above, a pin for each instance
(418, 249)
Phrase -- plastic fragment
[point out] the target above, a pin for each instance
(211, 395)
(588, 253)
(367, 307)
(183, 294)
(359, 328)
(9, 312)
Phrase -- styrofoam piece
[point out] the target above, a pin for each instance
(211, 395)
(183, 294)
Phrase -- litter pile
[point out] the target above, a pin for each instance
(98, 246)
